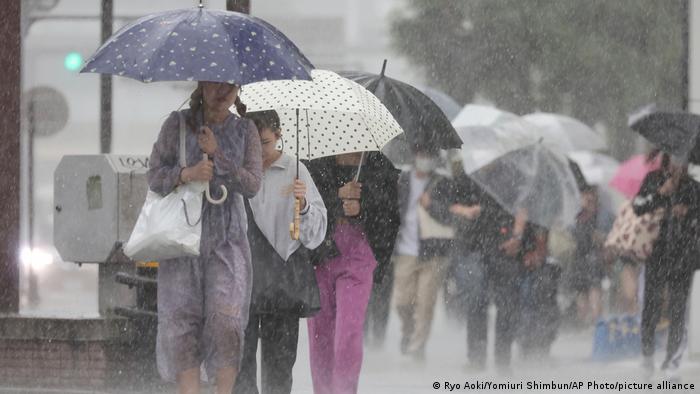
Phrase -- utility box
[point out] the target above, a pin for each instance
(97, 200)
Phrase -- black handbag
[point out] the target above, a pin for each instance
(281, 287)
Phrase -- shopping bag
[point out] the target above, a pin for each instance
(430, 228)
(169, 226)
(634, 236)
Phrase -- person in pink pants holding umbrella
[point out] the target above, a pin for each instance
(363, 221)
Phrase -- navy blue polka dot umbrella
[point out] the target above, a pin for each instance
(198, 44)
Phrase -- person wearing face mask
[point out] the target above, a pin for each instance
(673, 259)
(380, 300)
(419, 254)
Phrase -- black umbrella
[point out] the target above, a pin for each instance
(425, 125)
(674, 132)
(447, 104)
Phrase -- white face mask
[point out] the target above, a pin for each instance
(425, 164)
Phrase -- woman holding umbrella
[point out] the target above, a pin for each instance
(363, 221)
(674, 254)
(673, 258)
(203, 301)
(284, 283)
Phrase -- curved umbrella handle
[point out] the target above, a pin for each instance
(224, 191)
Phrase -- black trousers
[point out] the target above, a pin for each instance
(496, 278)
(279, 336)
(505, 288)
(658, 275)
(378, 309)
(469, 270)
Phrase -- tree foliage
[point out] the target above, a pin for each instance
(596, 60)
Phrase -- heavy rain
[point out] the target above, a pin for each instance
(350, 196)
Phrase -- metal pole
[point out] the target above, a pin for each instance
(31, 124)
(10, 64)
(106, 83)
(238, 6)
(32, 280)
(685, 86)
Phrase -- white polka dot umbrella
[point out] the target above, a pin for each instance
(336, 115)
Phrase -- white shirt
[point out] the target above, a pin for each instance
(273, 208)
(408, 242)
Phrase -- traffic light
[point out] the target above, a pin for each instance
(73, 61)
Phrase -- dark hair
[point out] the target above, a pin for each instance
(240, 107)
(651, 156)
(665, 158)
(267, 119)
(197, 101)
(665, 161)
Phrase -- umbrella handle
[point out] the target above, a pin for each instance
(296, 224)
(359, 167)
(224, 191)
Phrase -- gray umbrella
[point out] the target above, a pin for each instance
(536, 179)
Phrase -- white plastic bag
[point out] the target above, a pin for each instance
(170, 226)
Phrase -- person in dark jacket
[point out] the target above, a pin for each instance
(488, 252)
(363, 221)
(379, 307)
(419, 255)
(673, 259)
(456, 202)
(284, 283)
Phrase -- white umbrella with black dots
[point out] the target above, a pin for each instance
(328, 115)
(336, 115)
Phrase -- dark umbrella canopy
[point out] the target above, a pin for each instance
(423, 122)
(673, 132)
(200, 45)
